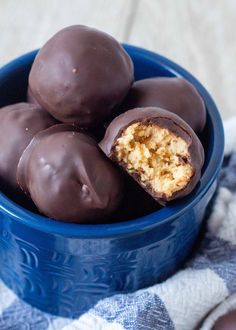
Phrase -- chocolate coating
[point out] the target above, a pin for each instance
(173, 94)
(226, 322)
(80, 75)
(68, 177)
(163, 119)
(18, 124)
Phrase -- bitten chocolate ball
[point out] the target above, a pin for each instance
(226, 322)
(18, 124)
(68, 177)
(80, 75)
(158, 149)
(174, 94)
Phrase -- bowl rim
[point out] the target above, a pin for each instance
(149, 221)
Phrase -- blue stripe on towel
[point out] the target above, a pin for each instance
(228, 174)
(220, 256)
(21, 316)
(141, 310)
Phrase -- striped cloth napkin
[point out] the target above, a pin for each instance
(182, 301)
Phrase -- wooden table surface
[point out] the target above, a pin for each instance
(197, 34)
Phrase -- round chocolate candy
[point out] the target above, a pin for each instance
(174, 94)
(18, 124)
(80, 75)
(158, 149)
(68, 177)
(226, 322)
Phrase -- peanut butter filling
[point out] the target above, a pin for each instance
(157, 156)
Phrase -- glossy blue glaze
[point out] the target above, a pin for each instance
(65, 269)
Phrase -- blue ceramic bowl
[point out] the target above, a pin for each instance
(64, 268)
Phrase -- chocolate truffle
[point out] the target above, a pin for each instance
(18, 124)
(68, 177)
(174, 94)
(158, 149)
(80, 75)
(226, 322)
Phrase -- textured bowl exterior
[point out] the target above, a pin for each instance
(65, 269)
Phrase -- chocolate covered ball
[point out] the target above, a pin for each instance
(80, 75)
(158, 149)
(226, 322)
(18, 124)
(68, 177)
(174, 94)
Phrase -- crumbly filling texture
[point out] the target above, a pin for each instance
(156, 155)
